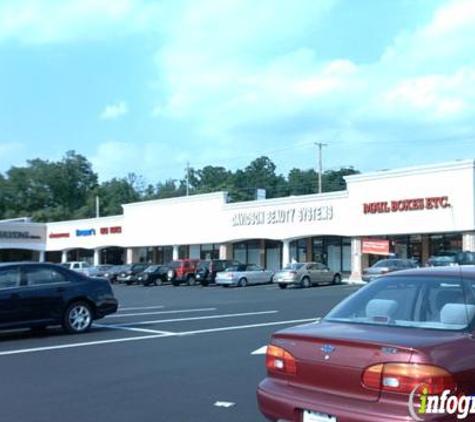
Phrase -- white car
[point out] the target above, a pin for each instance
(243, 274)
(79, 266)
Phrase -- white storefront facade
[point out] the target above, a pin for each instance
(414, 211)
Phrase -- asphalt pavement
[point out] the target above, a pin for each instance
(170, 354)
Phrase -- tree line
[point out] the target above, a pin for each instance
(67, 189)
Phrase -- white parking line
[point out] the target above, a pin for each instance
(159, 321)
(162, 334)
(161, 312)
(139, 330)
(138, 308)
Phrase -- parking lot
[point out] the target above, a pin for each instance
(169, 354)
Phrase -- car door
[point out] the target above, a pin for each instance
(324, 273)
(11, 311)
(46, 292)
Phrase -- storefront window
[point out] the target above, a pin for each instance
(273, 255)
(248, 252)
(445, 242)
(298, 250)
(209, 251)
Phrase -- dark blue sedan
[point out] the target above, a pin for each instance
(37, 295)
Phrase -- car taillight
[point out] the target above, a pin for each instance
(293, 273)
(405, 377)
(280, 360)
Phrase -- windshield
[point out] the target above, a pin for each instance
(294, 266)
(384, 263)
(418, 302)
(443, 259)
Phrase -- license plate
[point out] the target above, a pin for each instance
(309, 416)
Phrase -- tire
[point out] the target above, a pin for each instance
(77, 318)
(242, 282)
(176, 283)
(158, 282)
(190, 281)
(337, 279)
(305, 283)
(282, 285)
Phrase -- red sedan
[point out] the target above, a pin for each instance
(400, 349)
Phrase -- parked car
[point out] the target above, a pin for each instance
(306, 274)
(182, 271)
(376, 351)
(37, 295)
(128, 273)
(443, 258)
(79, 266)
(244, 274)
(113, 272)
(98, 270)
(207, 269)
(384, 266)
(153, 274)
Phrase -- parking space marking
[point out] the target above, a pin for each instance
(159, 321)
(242, 327)
(138, 308)
(183, 311)
(139, 330)
(162, 334)
(261, 351)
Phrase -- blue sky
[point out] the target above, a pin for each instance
(145, 86)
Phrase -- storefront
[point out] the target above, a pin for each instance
(409, 213)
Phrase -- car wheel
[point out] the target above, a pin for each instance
(242, 282)
(337, 279)
(190, 281)
(175, 283)
(158, 282)
(77, 318)
(305, 283)
(282, 285)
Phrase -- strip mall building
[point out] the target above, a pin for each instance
(411, 212)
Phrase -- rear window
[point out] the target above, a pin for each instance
(174, 264)
(294, 266)
(428, 302)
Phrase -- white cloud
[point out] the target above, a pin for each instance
(36, 21)
(115, 111)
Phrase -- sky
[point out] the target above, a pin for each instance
(147, 86)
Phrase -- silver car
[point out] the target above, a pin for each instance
(244, 274)
(306, 274)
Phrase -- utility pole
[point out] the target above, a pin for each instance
(97, 206)
(187, 178)
(320, 166)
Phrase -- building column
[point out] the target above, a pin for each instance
(176, 252)
(468, 241)
(226, 251)
(132, 255)
(356, 259)
(42, 257)
(64, 256)
(285, 253)
(97, 256)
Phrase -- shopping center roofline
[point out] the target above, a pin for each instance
(407, 171)
(87, 220)
(221, 195)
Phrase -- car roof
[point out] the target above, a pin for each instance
(447, 271)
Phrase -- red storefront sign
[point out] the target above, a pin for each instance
(375, 246)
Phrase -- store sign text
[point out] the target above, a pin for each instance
(58, 235)
(416, 204)
(283, 216)
(17, 235)
(111, 230)
(89, 232)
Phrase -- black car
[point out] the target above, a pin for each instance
(384, 266)
(128, 273)
(154, 274)
(207, 269)
(444, 258)
(37, 295)
(112, 273)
